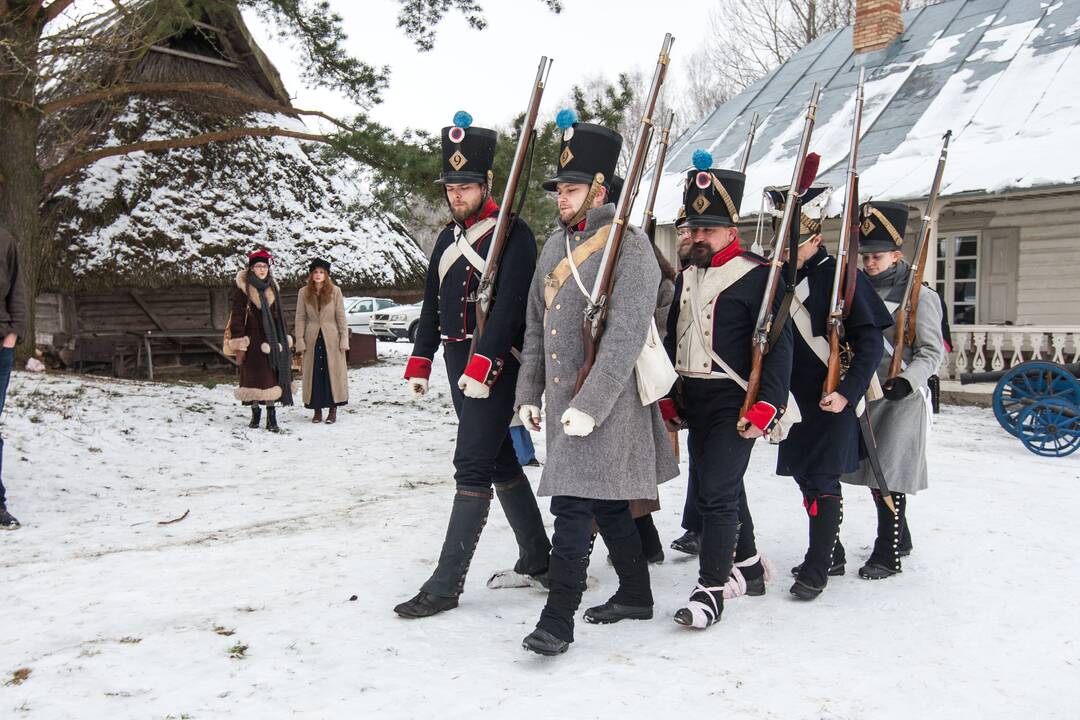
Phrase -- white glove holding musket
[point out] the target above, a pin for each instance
(473, 388)
(576, 423)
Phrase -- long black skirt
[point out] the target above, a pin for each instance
(322, 396)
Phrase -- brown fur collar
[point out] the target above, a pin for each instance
(252, 293)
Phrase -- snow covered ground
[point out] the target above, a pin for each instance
(243, 610)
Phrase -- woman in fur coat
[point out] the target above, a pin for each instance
(260, 339)
(322, 338)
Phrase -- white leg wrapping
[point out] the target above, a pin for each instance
(704, 614)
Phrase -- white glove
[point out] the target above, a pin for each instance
(577, 423)
(417, 386)
(472, 388)
(530, 416)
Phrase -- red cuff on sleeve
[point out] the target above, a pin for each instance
(483, 370)
(417, 367)
(763, 415)
(668, 411)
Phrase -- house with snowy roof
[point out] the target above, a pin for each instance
(150, 241)
(1003, 76)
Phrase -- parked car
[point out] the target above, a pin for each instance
(358, 312)
(397, 322)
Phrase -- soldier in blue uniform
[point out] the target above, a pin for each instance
(481, 384)
(710, 328)
(826, 443)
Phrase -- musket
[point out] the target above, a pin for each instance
(766, 316)
(648, 146)
(843, 285)
(592, 327)
(843, 293)
(904, 332)
(486, 288)
(648, 222)
(749, 144)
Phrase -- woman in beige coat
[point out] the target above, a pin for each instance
(322, 337)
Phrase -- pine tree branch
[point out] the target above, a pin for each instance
(70, 165)
(176, 88)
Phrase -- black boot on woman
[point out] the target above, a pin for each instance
(331, 416)
(256, 415)
(271, 419)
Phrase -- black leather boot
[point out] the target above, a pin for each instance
(706, 604)
(271, 419)
(633, 600)
(689, 542)
(256, 415)
(467, 519)
(555, 629)
(825, 513)
(651, 546)
(523, 514)
(884, 561)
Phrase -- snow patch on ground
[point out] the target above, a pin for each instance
(242, 609)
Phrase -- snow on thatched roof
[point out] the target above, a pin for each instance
(1001, 74)
(189, 216)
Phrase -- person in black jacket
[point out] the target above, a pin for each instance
(713, 319)
(482, 383)
(827, 442)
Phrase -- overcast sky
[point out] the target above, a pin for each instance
(488, 72)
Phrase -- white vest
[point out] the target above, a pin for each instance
(692, 358)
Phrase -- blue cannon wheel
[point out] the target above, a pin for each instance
(1050, 428)
(1027, 384)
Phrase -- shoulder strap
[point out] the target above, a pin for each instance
(555, 279)
(690, 278)
(463, 246)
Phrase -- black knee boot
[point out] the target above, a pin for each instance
(271, 419)
(838, 561)
(467, 518)
(256, 415)
(555, 630)
(905, 535)
(884, 561)
(633, 600)
(523, 515)
(825, 512)
(717, 556)
(651, 547)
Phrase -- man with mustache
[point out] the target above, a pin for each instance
(710, 328)
(481, 385)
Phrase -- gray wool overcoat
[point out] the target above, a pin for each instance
(629, 452)
(901, 426)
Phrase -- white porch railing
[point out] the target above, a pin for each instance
(989, 348)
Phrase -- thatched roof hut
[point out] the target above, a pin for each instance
(177, 223)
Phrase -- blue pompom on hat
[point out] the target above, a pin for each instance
(566, 118)
(462, 120)
(702, 159)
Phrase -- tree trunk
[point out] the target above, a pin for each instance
(20, 174)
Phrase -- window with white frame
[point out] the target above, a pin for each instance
(958, 276)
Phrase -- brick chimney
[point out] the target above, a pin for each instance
(877, 24)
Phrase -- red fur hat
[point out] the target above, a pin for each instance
(259, 256)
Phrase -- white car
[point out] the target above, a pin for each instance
(397, 322)
(358, 312)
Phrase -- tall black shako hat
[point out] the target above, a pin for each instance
(882, 226)
(712, 197)
(811, 212)
(467, 152)
(588, 153)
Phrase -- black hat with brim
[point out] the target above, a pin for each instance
(705, 205)
(319, 263)
(882, 226)
(586, 150)
(468, 154)
(809, 226)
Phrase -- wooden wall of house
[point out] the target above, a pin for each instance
(1030, 255)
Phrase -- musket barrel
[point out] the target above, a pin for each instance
(851, 201)
(658, 171)
(749, 143)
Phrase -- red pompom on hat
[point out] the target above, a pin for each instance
(259, 256)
